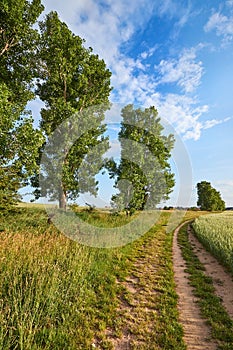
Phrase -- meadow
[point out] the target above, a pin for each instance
(215, 231)
(56, 293)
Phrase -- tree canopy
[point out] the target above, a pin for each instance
(53, 64)
(143, 176)
(19, 140)
(209, 198)
(71, 80)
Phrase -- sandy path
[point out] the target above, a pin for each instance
(196, 331)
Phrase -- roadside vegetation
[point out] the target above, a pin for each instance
(58, 294)
(210, 304)
(215, 232)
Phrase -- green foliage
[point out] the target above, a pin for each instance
(18, 40)
(63, 295)
(209, 198)
(19, 141)
(71, 79)
(143, 176)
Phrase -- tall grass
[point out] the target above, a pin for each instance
(51, 288)
(58, 294)
(215, 231)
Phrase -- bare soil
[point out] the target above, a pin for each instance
(196, 331)
(222, 280)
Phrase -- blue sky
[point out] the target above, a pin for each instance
(176, 55)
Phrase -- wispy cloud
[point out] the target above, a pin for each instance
(210, 123)
(185, 71)
(107, 26)
(149, 52)
(104, 25)
(221, 23)
(183, 112)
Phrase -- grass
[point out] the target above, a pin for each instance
(54, 293)
(210, 304)
(150, 315)
(58, 294)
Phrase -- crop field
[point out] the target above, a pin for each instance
(215, 231)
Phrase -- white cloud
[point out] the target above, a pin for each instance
(105, 27)
(149, 52)
(182, 111)
(222, 24)
(108, 25)
(186, 72)
(210, 123)
(114, 150)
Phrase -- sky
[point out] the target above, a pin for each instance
(176, 55)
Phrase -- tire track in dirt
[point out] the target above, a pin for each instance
(222, 280)
(196, 332)
(139, 309)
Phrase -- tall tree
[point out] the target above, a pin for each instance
(71, 80)
(143, 176)
(19, 141)
(209, 198)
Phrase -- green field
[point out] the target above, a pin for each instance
(58, 294)
(215, 231)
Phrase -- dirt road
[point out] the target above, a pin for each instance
(196, 331)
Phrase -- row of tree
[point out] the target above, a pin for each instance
(51, 63)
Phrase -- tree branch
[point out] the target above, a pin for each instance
(8, 45)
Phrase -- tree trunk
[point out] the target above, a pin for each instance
(62, 199)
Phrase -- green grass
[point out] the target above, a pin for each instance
(58, 294)
(152, 319)
(210, 304)
(54, 293)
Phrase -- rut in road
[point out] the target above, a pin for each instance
(195, 328)
(222, 280)
(196, 332)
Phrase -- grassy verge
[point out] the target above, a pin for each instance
(54, 293)
(210, 304)
(58, 294)
(150, 315)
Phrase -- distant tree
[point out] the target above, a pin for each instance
(209, 198)
(19, 140)
(143, 176)
(71, 79)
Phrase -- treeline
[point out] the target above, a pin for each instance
(52, 64)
